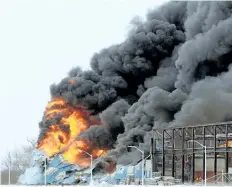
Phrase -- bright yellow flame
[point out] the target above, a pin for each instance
(229, 144)
(60, 139)
(75, 155)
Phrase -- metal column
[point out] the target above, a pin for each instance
(155, 158)
(163, 155)
(152, 156)
(227, 154)
(203, 155)
(215, 153)
(173, 154)
(182, 157)
(193, 155)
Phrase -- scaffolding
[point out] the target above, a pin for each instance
(174, 150)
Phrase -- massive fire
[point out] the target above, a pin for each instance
(61, 137)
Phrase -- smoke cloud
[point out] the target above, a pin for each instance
(172, 70)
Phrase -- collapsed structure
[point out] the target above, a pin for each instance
(172, 70)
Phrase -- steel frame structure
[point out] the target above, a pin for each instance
(178, 145)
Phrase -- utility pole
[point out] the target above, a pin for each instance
(142, 161)
(9, 169)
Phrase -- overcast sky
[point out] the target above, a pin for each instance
(40, 41)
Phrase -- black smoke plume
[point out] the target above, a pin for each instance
(172, 70)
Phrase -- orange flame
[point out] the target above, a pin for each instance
(75, 155)
(61, 137)
(72, 81)
(229, 144)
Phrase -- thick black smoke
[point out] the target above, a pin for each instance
(172, 70)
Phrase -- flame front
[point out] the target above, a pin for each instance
(75, 156)
(61, 137)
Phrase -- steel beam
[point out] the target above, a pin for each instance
(163, 154)
(173, 154)
(203, 150)
(227, 154)
(182, 157)
(193, 156)
(215, 152)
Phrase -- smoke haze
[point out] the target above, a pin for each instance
(172, 70)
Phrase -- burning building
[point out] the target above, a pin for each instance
(183, 155)
(63, 134)
(172, 70)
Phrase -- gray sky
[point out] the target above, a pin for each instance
(40, 41)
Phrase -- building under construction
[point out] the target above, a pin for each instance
(180, 151)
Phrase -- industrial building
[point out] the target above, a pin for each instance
(179, 152)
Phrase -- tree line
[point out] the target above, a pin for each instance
(16, 161)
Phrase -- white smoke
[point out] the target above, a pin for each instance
(34, 174)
